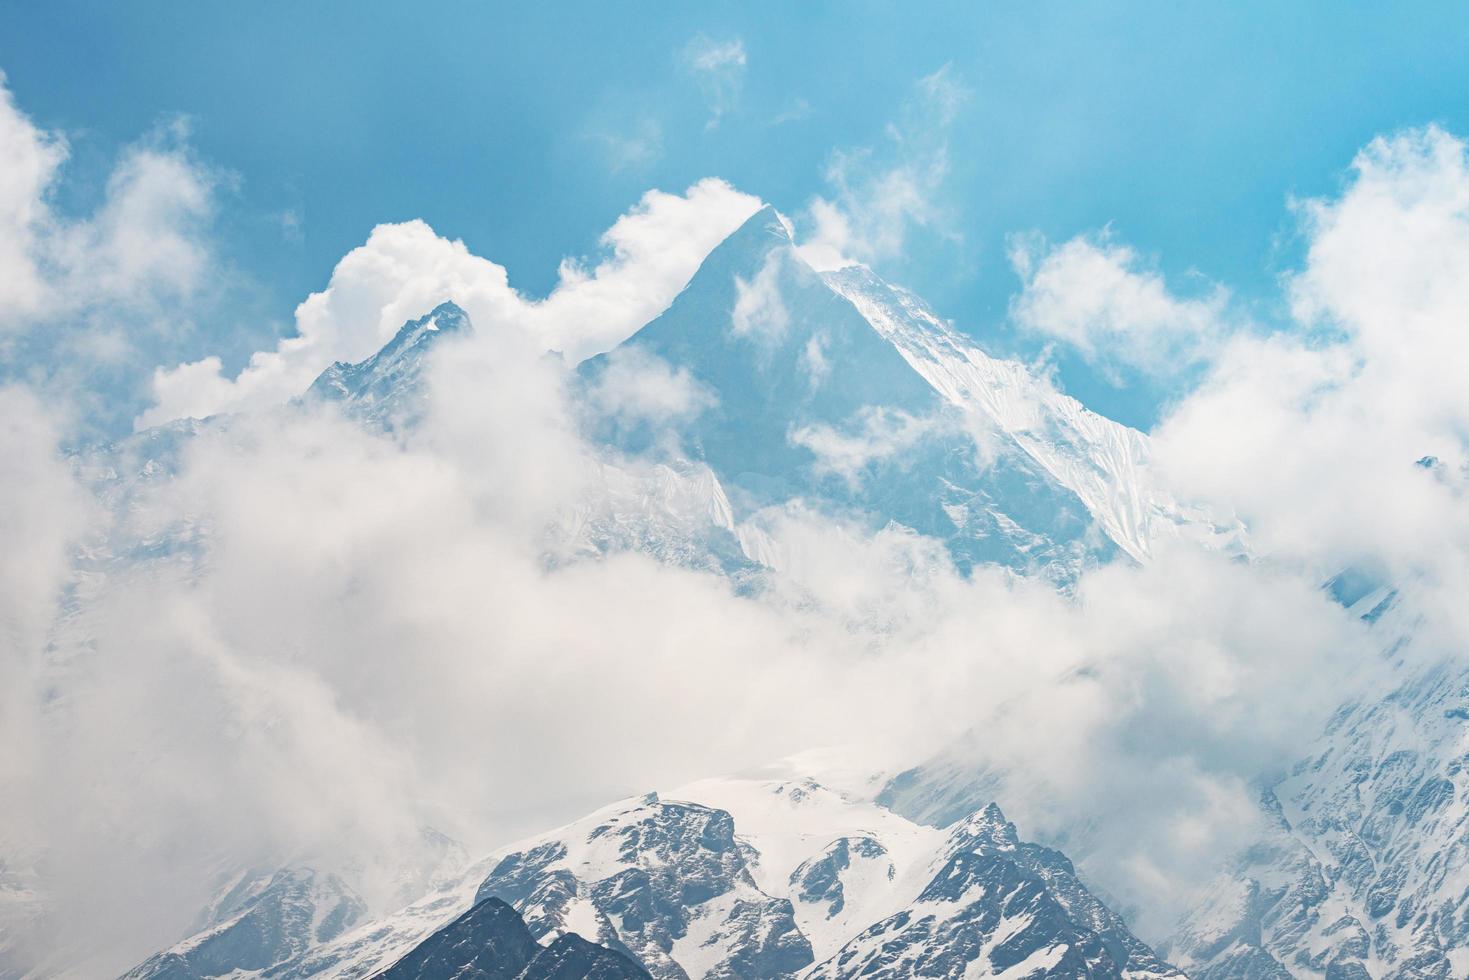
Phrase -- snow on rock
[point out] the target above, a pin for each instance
(840, 861)
(997, 907)
(261, 922)
(386, 388)
(1364, 868)
(773, 874)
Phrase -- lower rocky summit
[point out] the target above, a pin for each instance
(492, 942)
(998, 907)
(740, 878)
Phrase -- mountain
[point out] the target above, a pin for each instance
(849, 396)
(1107, 465)
(1363, 871)
(387, 388)
(770, 874)
(843, 390)
(997, 907)
(257, 923)
(805, 400)
(666, 881)
(835, 390)
(491, 942)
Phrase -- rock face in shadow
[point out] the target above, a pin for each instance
(492, 942)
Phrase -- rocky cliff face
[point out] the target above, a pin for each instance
(491, 942)
(997, 907)
(782, 878)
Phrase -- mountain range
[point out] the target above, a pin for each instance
(849, 395)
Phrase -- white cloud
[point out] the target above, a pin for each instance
(406, 269)
(814, 360)
(795, 110)
(634, 147)
(29, 159)
(370, 624)
(880, 194)
(760, 313)
(144, 245)
(1338, 409)
(148, 236)
(637, 386)
(879, 434)
(719, 67)
(44, 516)
(1096, 295)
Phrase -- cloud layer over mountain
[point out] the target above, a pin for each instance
(312, 639)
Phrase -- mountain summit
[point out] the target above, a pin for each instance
(842, 390)
(386, 387)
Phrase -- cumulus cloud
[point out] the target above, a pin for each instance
(879, 194)
(406, 269)
(144, 244)
(1313, 432)
(1096, 295)
(92, 296)
(719, 68)
(31, 158)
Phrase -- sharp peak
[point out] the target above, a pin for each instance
(766, 225)
(448, 308)
(447, 317)
(990, 825)
(768, 215)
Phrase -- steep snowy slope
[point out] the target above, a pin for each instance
(675, 511)
(842, 862)
(793, 393)
(1365, 869)
(1103, 462)
(666, 881)
(997, 907)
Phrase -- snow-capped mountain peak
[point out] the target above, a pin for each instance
(388, 383)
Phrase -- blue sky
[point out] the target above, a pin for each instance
(526, 132)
